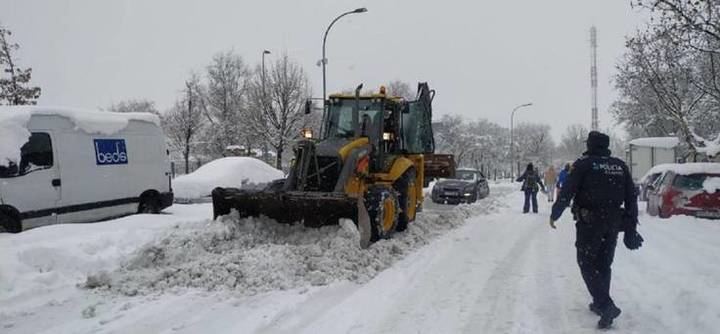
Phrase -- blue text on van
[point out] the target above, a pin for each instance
(110, 152)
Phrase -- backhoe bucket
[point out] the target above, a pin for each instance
(313, 209)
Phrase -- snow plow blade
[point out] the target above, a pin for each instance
(313, 209)
(310, 208)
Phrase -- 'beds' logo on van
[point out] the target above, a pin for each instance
(110, 152)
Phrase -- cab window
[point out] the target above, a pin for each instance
(417, 129)
(36, 154)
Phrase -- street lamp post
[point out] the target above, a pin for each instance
(512, 138)
(324, 59)
(266, 156)
(265, 52)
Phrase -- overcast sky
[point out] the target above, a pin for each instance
(482, 57)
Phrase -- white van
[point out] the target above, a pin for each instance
(70, 166)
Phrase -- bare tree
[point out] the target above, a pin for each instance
(225, 109)
(185, 120)
(134, 105)
(534, 143)
(277, 111)
(572, 142)
(401, 89)
(452, 136)
(14, 89)
(479, 144)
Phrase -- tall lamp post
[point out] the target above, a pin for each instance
(265, 52)
(324, 59)
(512, 138)
(266, 156)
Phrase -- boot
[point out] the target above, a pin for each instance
(608, 315)
(595, 309)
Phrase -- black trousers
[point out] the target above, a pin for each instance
(530, 196)
(595, 244)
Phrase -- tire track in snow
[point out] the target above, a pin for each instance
(499, 299)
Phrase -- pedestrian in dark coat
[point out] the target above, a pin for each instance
(532, 183)
(605, 203)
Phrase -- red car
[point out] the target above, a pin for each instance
(686, 189)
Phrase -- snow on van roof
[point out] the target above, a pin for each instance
(661, 142)
(14, 120)
(692, 168)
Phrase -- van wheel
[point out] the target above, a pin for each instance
(149, 204)
(9, 223)
(405, 186)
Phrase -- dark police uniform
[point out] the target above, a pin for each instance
(601, 186)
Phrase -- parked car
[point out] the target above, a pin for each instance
(649, 178)
(77, 166)
(237, 172)
(686, 189)
(467, 186)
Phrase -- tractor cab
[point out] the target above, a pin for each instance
(393, 126)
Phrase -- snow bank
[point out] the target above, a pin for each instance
(660, 142)
(44, 259)
(712, 185)
(14, 120)
(252, 255)
(234, 172)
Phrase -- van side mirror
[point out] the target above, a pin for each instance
(308, 106)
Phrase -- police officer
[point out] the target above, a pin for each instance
(605, 202)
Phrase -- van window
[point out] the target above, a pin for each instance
(36, 154)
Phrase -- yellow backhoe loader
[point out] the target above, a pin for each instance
(367, 165)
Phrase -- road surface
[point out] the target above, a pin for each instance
(500, 272)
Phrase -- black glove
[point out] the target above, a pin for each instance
(632, 240)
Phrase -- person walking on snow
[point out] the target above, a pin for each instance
(550, 181)
(599, 185)
(561, 178)
(531, 185)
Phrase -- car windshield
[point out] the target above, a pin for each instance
(690, 182)
(465, 175)
(340, 112)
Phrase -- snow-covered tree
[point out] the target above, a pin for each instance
(15, 88)
(226, 98)
(134, 105)
(668, 79)
(184, 121)
(277, 106)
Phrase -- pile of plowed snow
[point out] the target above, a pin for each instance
(251, 256)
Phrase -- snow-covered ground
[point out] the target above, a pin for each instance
(482, 268)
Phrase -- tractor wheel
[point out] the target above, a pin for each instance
(405, 186)
(382, 208)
